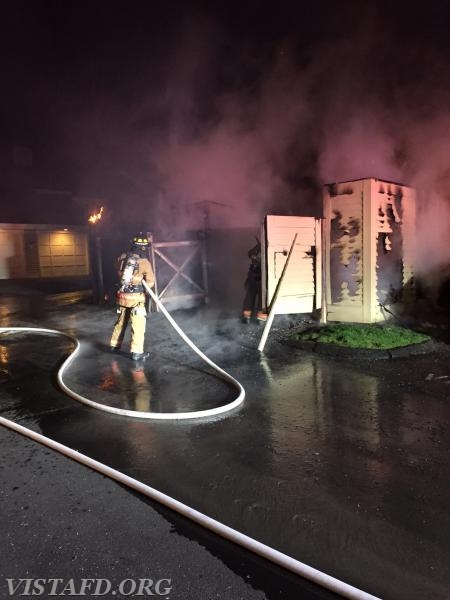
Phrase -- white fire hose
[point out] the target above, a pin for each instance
(282, 560)
(303, 570)
(135, 413)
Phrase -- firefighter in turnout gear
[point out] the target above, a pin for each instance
(253, 292)
(133, 266)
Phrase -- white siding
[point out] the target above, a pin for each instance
(297, 292)
(369, 238)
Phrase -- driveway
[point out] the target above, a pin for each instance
(339, 463)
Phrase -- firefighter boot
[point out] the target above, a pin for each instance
(139, 355)
(261, 317)
(246, 316)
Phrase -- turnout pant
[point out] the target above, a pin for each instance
(137, 317)
(252, 298)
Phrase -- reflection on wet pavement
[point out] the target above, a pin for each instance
(159, 384)
(334, 463)
(131, 383)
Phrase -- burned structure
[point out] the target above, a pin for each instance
(356, 263)
(369, 227)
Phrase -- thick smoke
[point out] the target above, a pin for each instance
(217, 131)
(238, 162)
(193, 150)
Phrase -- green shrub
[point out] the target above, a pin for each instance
(362, 336)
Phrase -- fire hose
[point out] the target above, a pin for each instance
(286, 562)
(135, 413)
(250, 544)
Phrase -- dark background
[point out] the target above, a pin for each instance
(157, 110)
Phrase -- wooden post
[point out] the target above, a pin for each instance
(100, 282)
(271, 314)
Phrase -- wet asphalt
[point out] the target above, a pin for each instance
(341, 463)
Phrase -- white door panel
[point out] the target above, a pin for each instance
(298, 293)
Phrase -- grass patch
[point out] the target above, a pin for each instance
(372, 336)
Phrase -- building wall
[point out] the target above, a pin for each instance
(63, 254)
(12, 257)
(369, 240)
(41, 251)
(345, 261)
(300, 290)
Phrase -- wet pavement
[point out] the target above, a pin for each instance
(342, 464)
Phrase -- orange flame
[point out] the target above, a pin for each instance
(96, 217)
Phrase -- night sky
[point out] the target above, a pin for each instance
(158, 108)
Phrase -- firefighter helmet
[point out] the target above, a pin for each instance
(140, 240)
